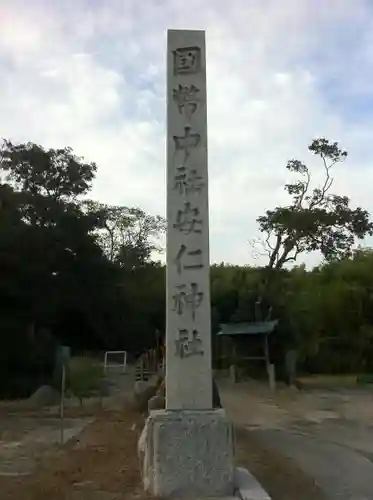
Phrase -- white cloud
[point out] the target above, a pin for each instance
(92, 75)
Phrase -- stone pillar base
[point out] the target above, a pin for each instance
(185, 453)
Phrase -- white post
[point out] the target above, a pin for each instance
(188, 329)
(125, 362)
(105, 361)
(115, 365)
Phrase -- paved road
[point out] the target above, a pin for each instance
(330, 442)
(342, 472)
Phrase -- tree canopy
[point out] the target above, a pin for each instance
(73, 268)
(80, 272)
(315, 219)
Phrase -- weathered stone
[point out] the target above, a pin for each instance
(187, 449)
(156, 403)
(161, 391)
(141, 394)
(153, 381)
(188, 332)
(247, 487)
(45, 395)
(187, 453)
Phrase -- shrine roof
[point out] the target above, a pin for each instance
(253, 328)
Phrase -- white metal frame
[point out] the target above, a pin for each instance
(115, 365)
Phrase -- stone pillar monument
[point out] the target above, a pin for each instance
(188, 447)
(188, 330)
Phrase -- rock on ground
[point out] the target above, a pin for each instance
(46, 395)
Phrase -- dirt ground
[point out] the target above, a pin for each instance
(254, 405)
(102, 464)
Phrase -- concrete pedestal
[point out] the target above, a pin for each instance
(186, 453)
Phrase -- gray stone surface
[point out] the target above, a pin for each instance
(247, 487)
(140, 387)
(187, 449)
(45, 395)
(188, 329)
(156, 403)
(142, 394)
(186, 453)
(342, 473)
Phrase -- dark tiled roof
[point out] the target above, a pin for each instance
(253, 328)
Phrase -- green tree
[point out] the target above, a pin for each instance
(325, 313)
(55, 270)
(49, 255)
(55, 173)
(316, 219)
(128, 236)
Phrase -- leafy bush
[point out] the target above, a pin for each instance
(84, 377)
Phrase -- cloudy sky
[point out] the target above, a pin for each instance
(91, 74)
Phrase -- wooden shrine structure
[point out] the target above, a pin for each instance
(248, 341)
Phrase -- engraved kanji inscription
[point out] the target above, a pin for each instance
(188, 343)
(186, 143)
(187, 183)
(187, 99)
(187, 299)
(188, 259)
(187, 220)
(187, 60)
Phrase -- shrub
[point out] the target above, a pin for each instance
(84, 377)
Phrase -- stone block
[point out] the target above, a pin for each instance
(46, 395)
(247, 487)
(156, 403)
(140, 386)
(186, 453)
(142, 393)
(188, 324)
